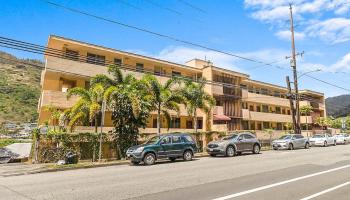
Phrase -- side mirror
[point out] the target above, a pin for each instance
(162, 142)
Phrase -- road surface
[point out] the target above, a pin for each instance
(317, 173)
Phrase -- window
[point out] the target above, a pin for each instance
(159, 70)
(279, 126)
(175, 73)
(252, 125)
(139, 67)
(154, 123)
(251, 108)
(259, 126)
(264, 91)
(248, 136)
(288, 112)
(176, 139)
(67, 84)
(117, 61)
(166, 140)
(277, 94)
(240, 137)
(187, 138)
(175, 123)
(87, 85)
(71, 54)
(266, 125)
(95, 59)
(258, 109)
(200, 124)
(278, 110)
(265, 108)
(298, 136)
(189, 124)
(283, 111)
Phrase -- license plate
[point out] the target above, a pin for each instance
(210, 149)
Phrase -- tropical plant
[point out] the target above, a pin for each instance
(162, 98)
(324, 121)
(306, 110)
(126, 98)
(88, 107)
(55, 115)
(194, 97)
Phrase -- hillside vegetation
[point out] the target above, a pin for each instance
(338, 106)
(19, 88)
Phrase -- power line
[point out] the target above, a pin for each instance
(129, 4)
(38, 49)
(164, 8)
(192, 6)
(151, 32)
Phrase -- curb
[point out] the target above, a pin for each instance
(46, 170)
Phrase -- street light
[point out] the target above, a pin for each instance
(317, 70)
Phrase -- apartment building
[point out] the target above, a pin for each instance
(241, 103)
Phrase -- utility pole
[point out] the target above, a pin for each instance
(290, 97)
(293, 64)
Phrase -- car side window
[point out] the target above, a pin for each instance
(176, 139)
(166, 140)
(299, 136)
(329, 135)
(240, 137)
(188, 138)
(248, 137)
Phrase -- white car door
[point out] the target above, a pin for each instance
(330, 139)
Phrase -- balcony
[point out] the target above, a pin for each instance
(218, 90)
(264, 99)
(265, 117)
(57, 99)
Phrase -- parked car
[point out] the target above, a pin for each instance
(234, 144)
(291, 141)
(323, 139)
(342, 138)
(168, 146)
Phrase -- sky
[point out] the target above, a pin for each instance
(256, 29)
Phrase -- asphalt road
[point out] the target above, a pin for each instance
(317, 173)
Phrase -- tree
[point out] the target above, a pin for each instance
(88, 107)
(55, 115)
(162, 98)
(126, 98)
(324, 121)
(306, 110)
(194, 97)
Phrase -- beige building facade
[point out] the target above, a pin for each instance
(241, 103)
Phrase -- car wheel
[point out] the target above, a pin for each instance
(256, 149)
(335, 143)
(135, 162)
(290, 146)
(325, 144)
(149, 159)
(212, 155)
(188, 155)
(307, 145)
(172, 159)
(230, 151)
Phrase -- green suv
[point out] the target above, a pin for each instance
(167, 146)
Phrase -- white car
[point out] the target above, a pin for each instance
(323, 139)
(342, 138)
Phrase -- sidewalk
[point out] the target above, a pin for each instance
(17, 169)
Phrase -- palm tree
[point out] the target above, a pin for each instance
(55, 115)
(194, 97)
(162, 98)
(88, 107)
(306, 110)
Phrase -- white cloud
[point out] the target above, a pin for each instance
(308, 15)
(334, 30)
(286, 35)
(342, 65)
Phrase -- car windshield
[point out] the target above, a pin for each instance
(152, 140)
(286, 137)
(230, 137)
(318, 136)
